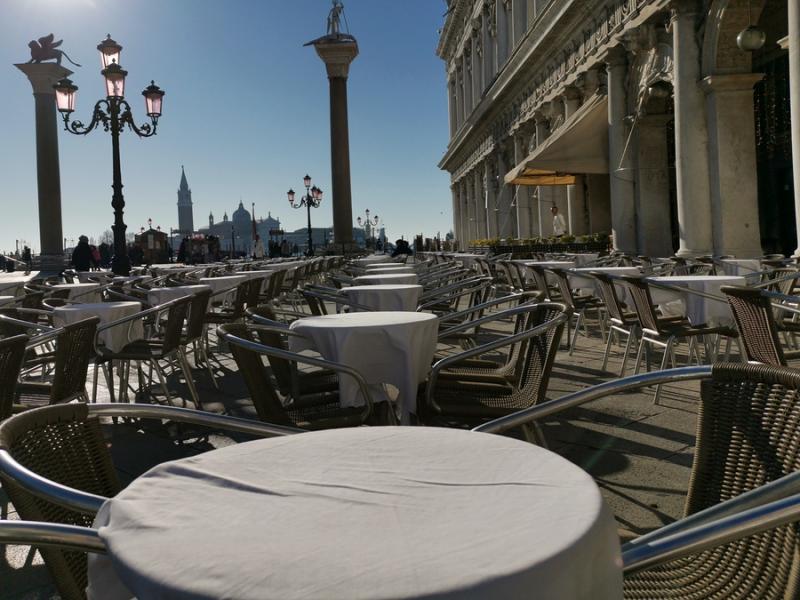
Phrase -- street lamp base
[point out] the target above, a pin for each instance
(121, 265)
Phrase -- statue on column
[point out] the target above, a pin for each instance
(334, 16)
(46, 49)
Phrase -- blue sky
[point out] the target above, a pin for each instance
(246, 111)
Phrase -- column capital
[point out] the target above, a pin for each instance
(572, 92)
(616, 56)
(736, 82)
(337, 55)
(43, 76)
(683, 8)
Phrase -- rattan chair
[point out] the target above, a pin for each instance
(666, 332)
(455, 402)
(579, 305)
(306, 400)
(620, 320)
(74, 352)
(44, 449)
(12, 353)
(746, 438)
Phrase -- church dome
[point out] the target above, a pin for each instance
(241, 215)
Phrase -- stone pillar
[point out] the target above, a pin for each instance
(502, 33)
(456, 211)
(519, 15)
(794, 94)
(467, 59)
(489, 177)
(732, 162)
(506, 216)
(452, 106)
(621, 178)
(337, 53)
(652, 186)
(691, 134)
(480, 202)
(544, 193)
(524, 208)
(576, 202)
(48, 174)
(488, 31)
(477, 66)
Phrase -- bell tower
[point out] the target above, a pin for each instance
(185, 215)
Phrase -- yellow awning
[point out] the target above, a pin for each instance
(579, 146)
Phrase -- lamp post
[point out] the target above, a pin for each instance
(312, 199)
(114, 113)
(368, 225)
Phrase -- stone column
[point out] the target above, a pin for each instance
(732, 154)
(621, 178)
(576, 202)
(794, 94)
(652, 186)
(691, 134)
(456, 211)
(506, 216)
(544, 194)
(524, 208)
(467, 59)
(477, 66)
(519, 15)
(490, 188)
(480, 202)
(337, 53)
(48, 174)
(452, 105)
(488, 30)
(502, 33)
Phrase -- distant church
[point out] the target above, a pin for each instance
(185, 214)
(239, 227)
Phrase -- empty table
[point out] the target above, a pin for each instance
(392, 271)
(388, 266)
(81, 292)
(6, 300)
(361, 513)
(698, 309)
(114, 338)
(374, 258)
(385, 297)
(165, 294)
(388, 278)
(580, 279)
(393, 348)
(749, 268)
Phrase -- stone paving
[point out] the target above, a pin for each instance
(640, 454)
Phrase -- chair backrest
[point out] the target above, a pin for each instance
(563, 286)
(608, 293)
(642, 302)
(12, 352)
(60, 443)
(540, 279)
(74, 352)
(254, 286)
(176, 315)
(315, 303)
(275, 284)
(539, 354)
(197, 314)
(746, 437)
(752, 312)
(32, 299)
(265, 397)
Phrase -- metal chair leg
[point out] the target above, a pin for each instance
(608, 349)
(667, 354)
(187, 373)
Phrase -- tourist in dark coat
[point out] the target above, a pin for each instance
(82, 255)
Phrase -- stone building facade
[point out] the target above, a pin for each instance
(642, 118)
(238, 230)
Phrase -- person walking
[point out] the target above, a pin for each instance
(258, 248)
(559, 224)
(82, 255)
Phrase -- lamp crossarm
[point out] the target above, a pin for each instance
(126, 118)
(98, 116)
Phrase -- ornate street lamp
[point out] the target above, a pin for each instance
(114, 113)
(312, 199)
(368, 225)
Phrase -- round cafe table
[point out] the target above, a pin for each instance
(114, 338)
(81, 292)
(220, 284)
(392, 270)
(394, 348)
(387, 278)
(161, 295)
(383, 265)
(373, 258)
(361, 513)
(676, 301)
(385, 297)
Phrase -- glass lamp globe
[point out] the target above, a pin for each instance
(751, 39)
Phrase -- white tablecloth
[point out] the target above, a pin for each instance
(374, 258)
(392, 271)
(391, 267)
(220, 284)
(467, 260)
(115, 338)
(7, 300)
(588, 284)
(387, 278)
(165, 294)
(361, 513)
(581, 258)
(385, 297)
(749, 268)
(13, 283)
(698, 309)
(393, 348)
(81, 292)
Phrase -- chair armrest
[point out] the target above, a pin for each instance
(64, 537)
(615, 386)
